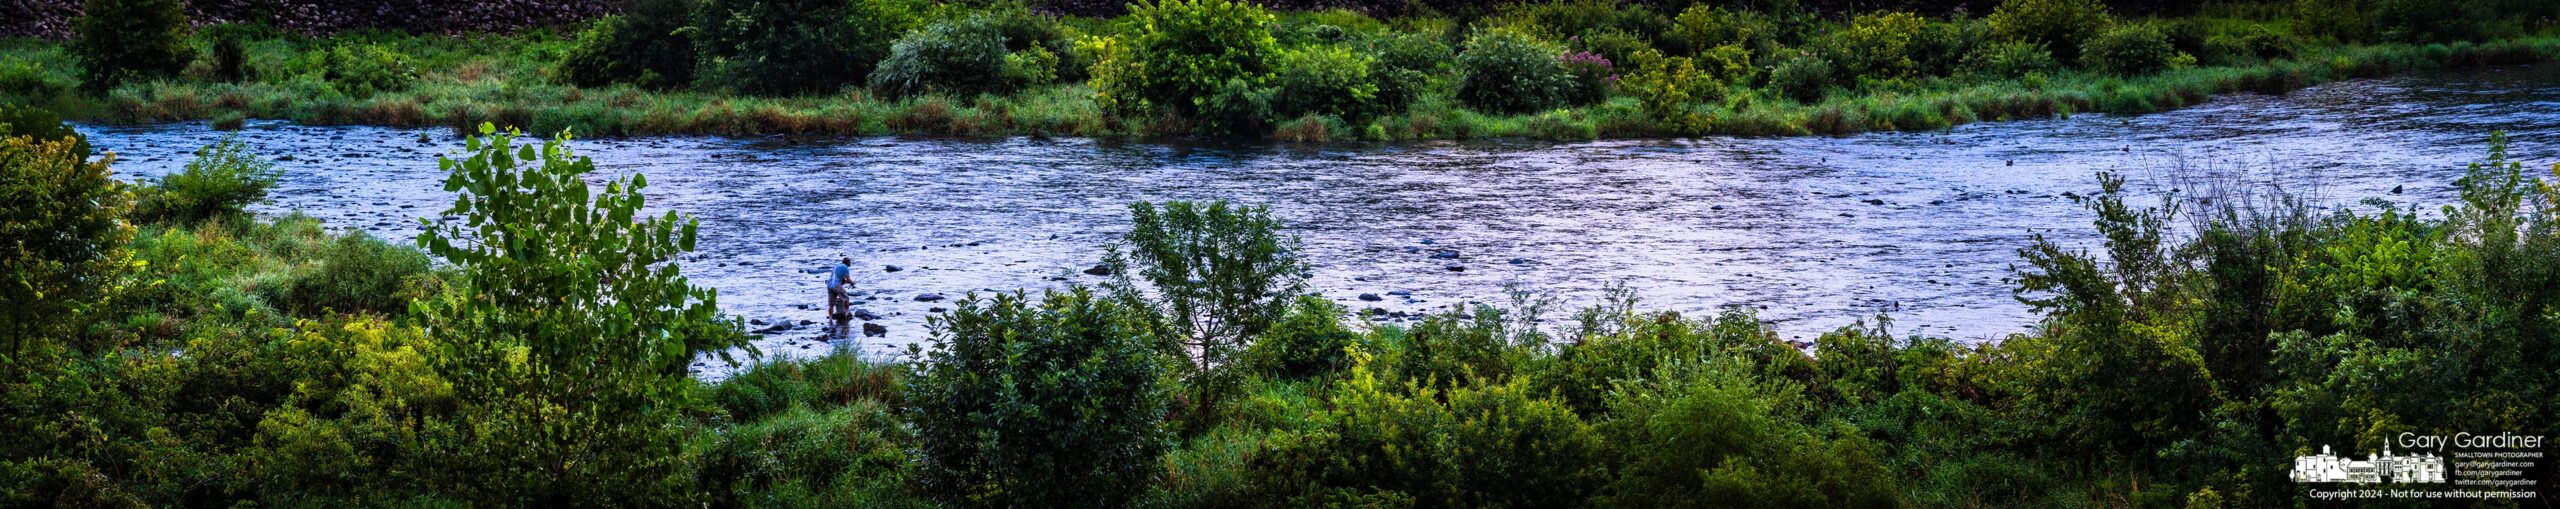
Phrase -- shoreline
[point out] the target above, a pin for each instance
(1069, 110)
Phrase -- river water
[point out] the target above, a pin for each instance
(1811, 233)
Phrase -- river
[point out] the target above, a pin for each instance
(1810, 232)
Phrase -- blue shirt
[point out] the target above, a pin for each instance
(843, 275)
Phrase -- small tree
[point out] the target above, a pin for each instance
(127, 40)
(62, 236)
(1055, 403)
(569, 332)
(1220, 274)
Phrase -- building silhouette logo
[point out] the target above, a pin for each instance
(2386, 467)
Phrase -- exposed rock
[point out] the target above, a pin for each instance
(1401, 293)
(865, 315)
(1371, 297)
(1456, 268)
(891, 268)
(874, 330)
(1098, 270)
(928, 297)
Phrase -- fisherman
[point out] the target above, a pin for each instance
(839, 286)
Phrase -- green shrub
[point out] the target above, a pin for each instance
(1667, 87)
(2133, 50)
(1878, 46)
(776, 47)
(1200, 59)
(570, 326)
(223, 180)
(963, 57)
(1505, 72)
(1326, 80)
(1703, 26)
(2009, 59)
(358, 273)
(1055, 403)
(1729, 63)
(1615, 46)
(2422, 21)
(64, 217)
(1940, 47)
(1212, 276)
(835, 380)
(647, 45)
(2060, 25)
(1025, 30)
(123, 41)
(1494, 444)
(357, 70)
(850, 456)
(345, 430)
(2345, 20)
(28, 121)
(31, 81)
(1307, 342)
(1802, 76)
(1718, 432)
(2254, 41)
(227, 49)
(1409, 51)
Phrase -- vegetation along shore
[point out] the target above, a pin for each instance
(1360, 70)
(164, 348)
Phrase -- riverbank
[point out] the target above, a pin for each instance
(1815, 232)
(519, 80)
(237, 360)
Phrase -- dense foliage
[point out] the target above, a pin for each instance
(1053, 403)
(986, 53)
(1211, 276)
(648, 46)
(62, 235)
(1507, 72)
(1293, 71)
(223, 180)
(1199, 59)
(2060, 25)
(795, 46)
(131, 40)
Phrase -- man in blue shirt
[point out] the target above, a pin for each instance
(839, 283)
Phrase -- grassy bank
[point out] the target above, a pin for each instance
(1812, 74)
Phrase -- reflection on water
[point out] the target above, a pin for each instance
(1813, 233)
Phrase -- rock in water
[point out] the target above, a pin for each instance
(1099, 270)
(929, 297)
(865, 315)
(873, 330)
(1371, 297)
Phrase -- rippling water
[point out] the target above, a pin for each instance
(1813, 233)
